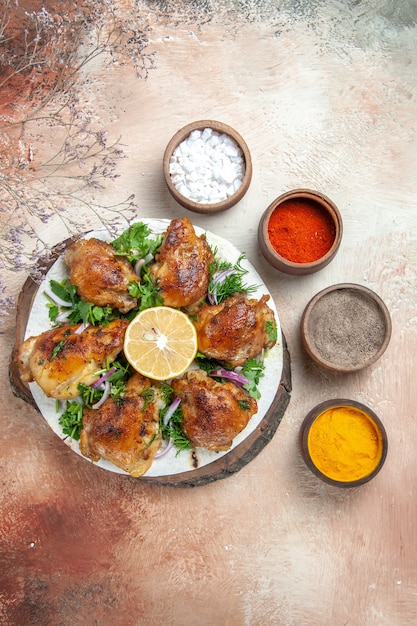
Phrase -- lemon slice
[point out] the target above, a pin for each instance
(160, 343)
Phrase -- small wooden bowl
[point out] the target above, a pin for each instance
(281, 263)
(345, 327)
(377, 437)
(215, 207)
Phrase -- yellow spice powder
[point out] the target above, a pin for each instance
(344, 443)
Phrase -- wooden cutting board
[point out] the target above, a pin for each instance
(226, 465)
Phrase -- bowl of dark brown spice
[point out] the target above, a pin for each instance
(300, 232)
(346, 327)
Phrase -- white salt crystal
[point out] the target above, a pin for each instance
(206, 134)
(227, 173)
(194, 135)
(207, 166)
(237, 183)
(231, 151)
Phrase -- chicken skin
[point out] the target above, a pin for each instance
(59, 359)
(213, 413)
(181, 270)
(125, 430)
(235, 330)
(100, 275)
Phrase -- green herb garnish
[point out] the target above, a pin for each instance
(57, 349)
(208, 365)
(146, 291)
(173, 429)
(89, 395)
(117, 379)
(135, 243)
(72, 419)
(271, 331)
(226, 279)
(253, 370)
(148, 395)
(77, 310)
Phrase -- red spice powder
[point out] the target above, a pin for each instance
(301, 231)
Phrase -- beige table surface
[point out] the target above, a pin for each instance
(325, 95)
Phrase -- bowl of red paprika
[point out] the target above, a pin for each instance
(300, 232)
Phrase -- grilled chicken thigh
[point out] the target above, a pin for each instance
(125, 430)
(182, 265)
(59, 359)
(100, 275)
(234, 330)
(213, 413)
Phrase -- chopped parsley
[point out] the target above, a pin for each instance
(71, 419)
(207, 364)
(117, 379)
(77, 310)
(146, 291)
(271, 331)
(57, 349)
(137, 243)
(253, 370)
(89, 395)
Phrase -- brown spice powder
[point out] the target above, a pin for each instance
(347, 327)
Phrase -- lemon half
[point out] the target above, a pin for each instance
(160, 343)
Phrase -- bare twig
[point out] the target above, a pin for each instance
(48, 52)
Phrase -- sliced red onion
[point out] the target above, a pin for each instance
(149, 257)
(218, 278)
(138, 266)
(104, 397)
(81, 328)
(56, 299)
(171, 410)
(63, 317)
(164, 449)
(103, 378)
(230, 375)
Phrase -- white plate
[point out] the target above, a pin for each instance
(187, 461)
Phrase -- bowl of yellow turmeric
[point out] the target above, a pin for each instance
(343, 442)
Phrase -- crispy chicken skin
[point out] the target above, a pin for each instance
(59, 359)
(182, 265)
(213, 413)
(234, 330)
(100, 275)
(125, 431)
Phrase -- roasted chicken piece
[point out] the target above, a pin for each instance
(182, 265)
(100, 275)
(59, 359)
(235, 330)
(125, 430)
(213, 412)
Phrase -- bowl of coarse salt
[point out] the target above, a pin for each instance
(207, 166)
